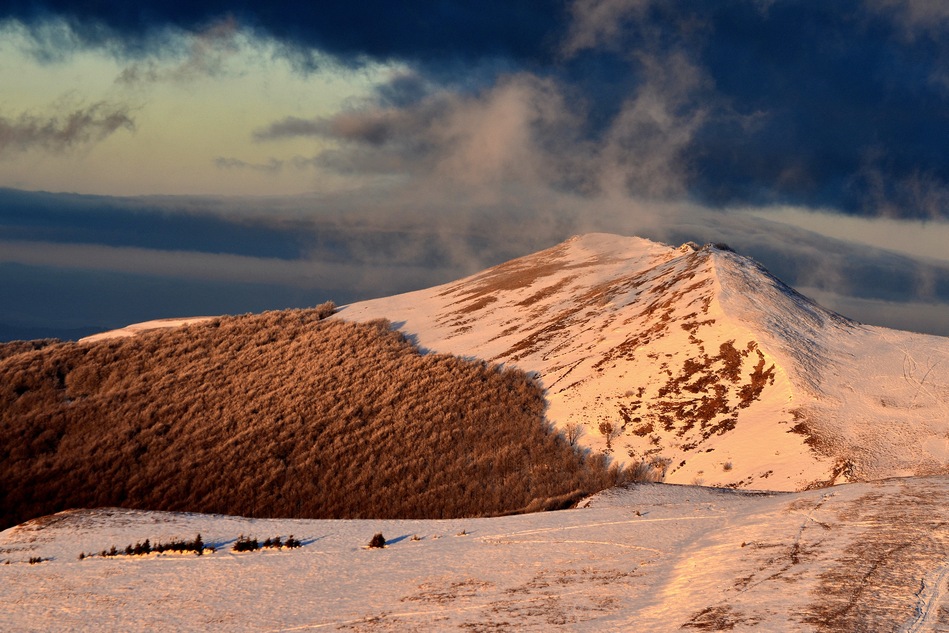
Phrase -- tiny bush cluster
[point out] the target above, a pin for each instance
(245, 544)
(276, 543)
(251, 544)
(143, 548)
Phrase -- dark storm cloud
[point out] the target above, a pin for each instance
(64, 131)
(841, 105)
(419, 31)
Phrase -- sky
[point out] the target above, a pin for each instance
(164, 159)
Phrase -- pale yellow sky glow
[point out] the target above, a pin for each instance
(909, 237)
(188, 110)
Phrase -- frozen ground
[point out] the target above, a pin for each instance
(857, 557)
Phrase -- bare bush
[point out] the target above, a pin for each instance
(573, 433)
(610, 431)
(653, 471)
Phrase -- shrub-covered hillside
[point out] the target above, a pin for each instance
(282, 414)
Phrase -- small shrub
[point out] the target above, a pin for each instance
(609, 432)
(574, 432)
(292, 543)
(727, 466)
(649, 472)
(273, 543)
(378, 540)
(245, 544)
(36, 559)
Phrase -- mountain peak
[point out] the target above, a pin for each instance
(695, 359)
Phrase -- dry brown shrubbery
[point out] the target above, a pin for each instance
(282, 414)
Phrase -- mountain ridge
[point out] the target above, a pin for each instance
(705, 362)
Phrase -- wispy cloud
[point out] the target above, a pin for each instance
(596, 23)
(60, 132)
(917, 17)
(205, 55)
(272, 166)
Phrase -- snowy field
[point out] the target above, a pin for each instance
(858, 557)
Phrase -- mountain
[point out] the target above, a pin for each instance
(697, 360)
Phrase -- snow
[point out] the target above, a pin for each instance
(608, 323)
(137, 328)
(650, 558)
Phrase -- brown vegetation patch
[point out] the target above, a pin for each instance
(478, 304)
(437, 593)
(283, 414)
(720, 618)
(873, 585)
(704, 397)
(547, 292)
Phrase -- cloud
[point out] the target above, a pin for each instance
(206, 54)
(745, 102)
(916, 17)
(272, 166)
(379, 29)
(61, 132)
(476, 140)
(595, 23)
(291, 127)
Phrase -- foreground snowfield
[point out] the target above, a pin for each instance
(857, 557)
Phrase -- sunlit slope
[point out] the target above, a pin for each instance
(698, 359)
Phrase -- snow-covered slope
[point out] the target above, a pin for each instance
(860, 557)
(699, 360)
(138, 328)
